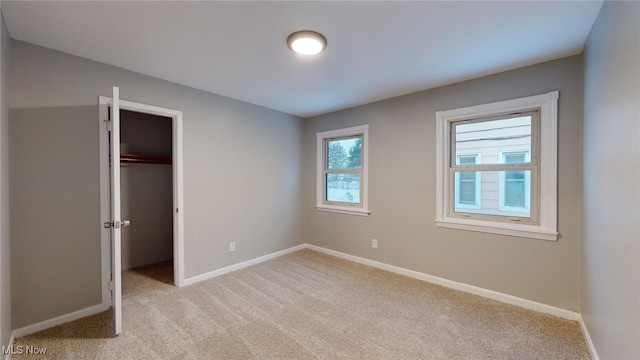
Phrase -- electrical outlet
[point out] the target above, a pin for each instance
(232, 246)
(374, 243)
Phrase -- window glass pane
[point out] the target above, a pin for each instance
(514, 181)
(514, 158)
(466, 159)
(489, 138)
(467, 188)
(343, 188)
(514, 189)
(344, 153)
(499, 193)
(468, 176)
(466, 181)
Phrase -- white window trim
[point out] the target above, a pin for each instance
(362, 208)
(547, 227)
(478, 200)
(502, 183)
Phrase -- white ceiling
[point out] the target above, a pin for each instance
(376, 49)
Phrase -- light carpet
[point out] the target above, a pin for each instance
(308, 305)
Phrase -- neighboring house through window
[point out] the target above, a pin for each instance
(496, 167)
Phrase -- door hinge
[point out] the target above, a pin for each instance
(111, 286)
(109, 125)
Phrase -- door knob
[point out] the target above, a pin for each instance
(117, 224)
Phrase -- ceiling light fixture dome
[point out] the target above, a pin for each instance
(306, 42)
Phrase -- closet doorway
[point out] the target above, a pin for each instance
(148, 193)
(146, 190)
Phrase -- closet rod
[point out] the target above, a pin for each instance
(144, 159)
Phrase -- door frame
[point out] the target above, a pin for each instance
(178, 194)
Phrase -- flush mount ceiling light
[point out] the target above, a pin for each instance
(306, 42)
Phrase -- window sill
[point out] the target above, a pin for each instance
(343, 210)
(519, 230)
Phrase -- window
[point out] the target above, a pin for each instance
(503, 141)
(467, 189)
(515, 186)
(513, 190)
(342, 170)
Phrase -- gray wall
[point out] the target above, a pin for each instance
(611, 255)
(403, 201)
(146, 190)
(241, 177)
(229, 145)
(55, 265)
(5, 265)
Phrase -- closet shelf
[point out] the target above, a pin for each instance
(144, 159)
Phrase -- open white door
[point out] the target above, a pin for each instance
(110, 212)
(116, 223)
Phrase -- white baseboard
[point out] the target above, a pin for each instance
(494, 295)
(34, 328)
(12, 339)
(31, 329)
(242, 265)
(587, 337)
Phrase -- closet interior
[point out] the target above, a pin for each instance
(146, 189)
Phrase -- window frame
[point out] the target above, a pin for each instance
(545, 225)
(361, 208)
